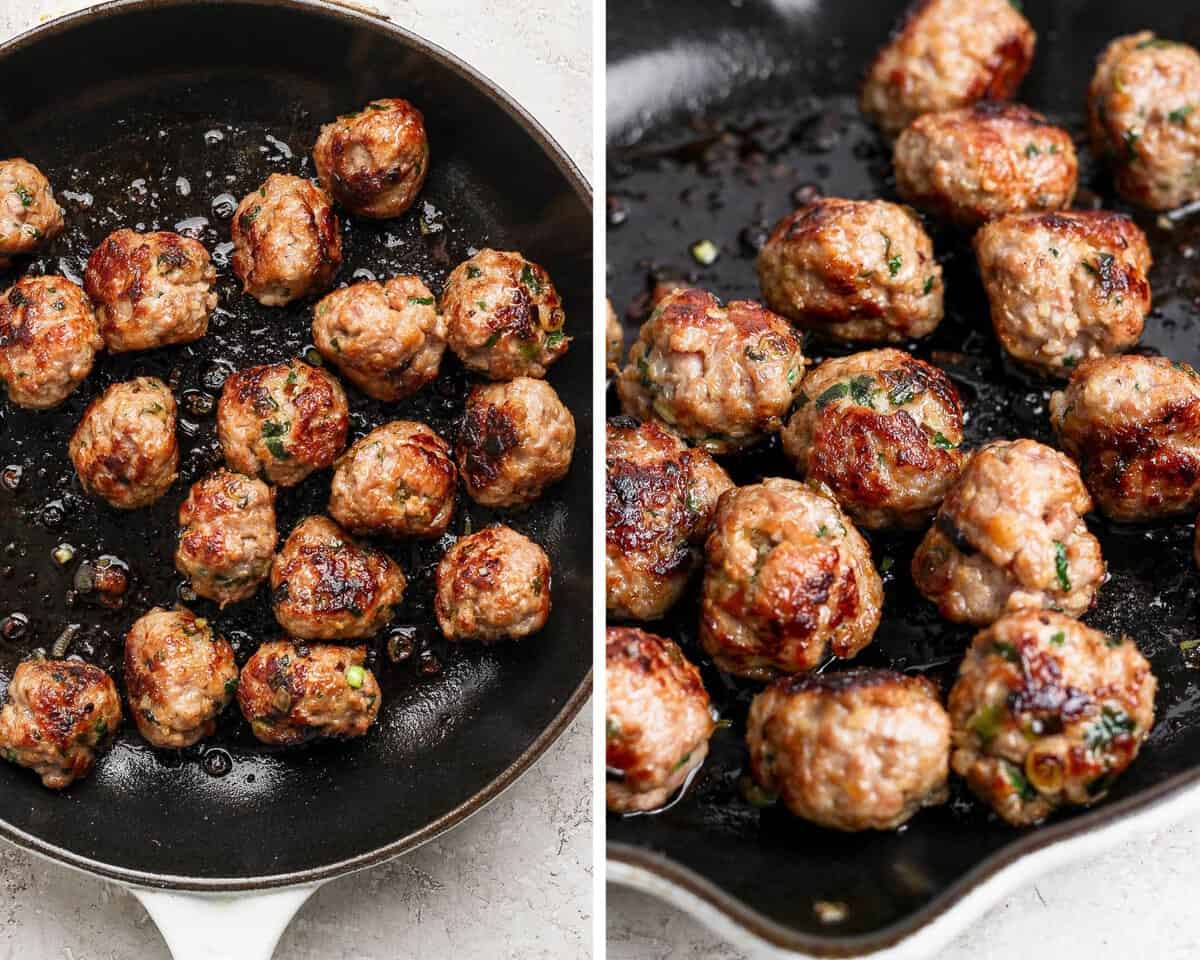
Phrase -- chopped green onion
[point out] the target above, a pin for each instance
(355, 676)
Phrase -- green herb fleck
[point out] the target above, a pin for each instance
(929, 281)
(1018, 782)
(554, 339)
(792, 376)
(942, 442)
(1058, 638)
(1031, 150)
(985, 724)
(531, 280)
(355, 675)
(1180, 115)
(1002, 648)
(893, 262)
(473, 271)
(1111, 723)
(421, 301)
(1070, 361)
(1061, 567)
(836, 392)
(273, 434)
(822, 530)
(25, 195)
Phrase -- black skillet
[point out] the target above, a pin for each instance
(720, 116)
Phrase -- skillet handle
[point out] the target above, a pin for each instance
(242, 926)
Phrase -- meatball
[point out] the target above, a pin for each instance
(722, 376)
(226, 536)
(492, 585)
(292, 693)
(1047, 713)
(788, 582)
(504, 318)
(48, 341)
(150, 289)
(515, 439)
(1009, 536)
(883, 431)
(659, 501)
(386, 338)
(853, 270)
(1133, 425)
(374, 162)
(658, 719)
(326, 586)
(856, 750)
(29, 214)
(399, 479)
(57, 716)
(980, 162)
(124, 448)
(1144, 114)
(1064, 286)
(946, 54)
(179, 676)
(287, 242)
(282, 421)
(614, 338)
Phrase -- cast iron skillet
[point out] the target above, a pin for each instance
(165, 112)
(717, 123)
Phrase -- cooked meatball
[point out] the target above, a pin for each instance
(1047, 713)
(150, 289)
(853, 270)
(226, 536)
(179, 676)
(287, 242)
(57, 716)
(980, 162)
(614, 338)
(945, 54)
(659, 501)
(1144, 114)
(386, 338)
(855, 750)
(326, 586)
(492, 585)
(788, 582)
(720, 375)
(1133, 425)
(658, 719)
(29, 214)
(503, 316)
(1064, 286)
(399, 479)
(515, 439)
(291, 693)
(48, 340)
(282, 421)
(883, 431)
(1009, 536)
(124, 448)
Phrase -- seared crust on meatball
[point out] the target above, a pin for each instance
(788, 582)
(1047, 713)
(124, 449)
(504, 318)
(291, 693)
(29, 214)
(48, 340)
(327, 586)
(720, 375)
(658, 719)
(1064, 286)
(613, 338)
(57, 716)
(853, 270)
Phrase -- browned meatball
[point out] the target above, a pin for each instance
(58, 714)
(124, 448)
(326, 586)
(853, 270)
(493, 585)
(1009, 536)
(883, 431)
(282, 421)
(287, 242)
(613, 338)
(658, 719)
(291, 693)
(855, 750)
(788, 582)
(179, 676)
(399, 479)
(945, 54)
(515, 440)
(386, 338)
(150, 289)
(1047, 713)
(1133, 426)
(1064, 286)
(226, 536)
(29, 214)
(48, 340)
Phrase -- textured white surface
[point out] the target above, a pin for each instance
(515, 880)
